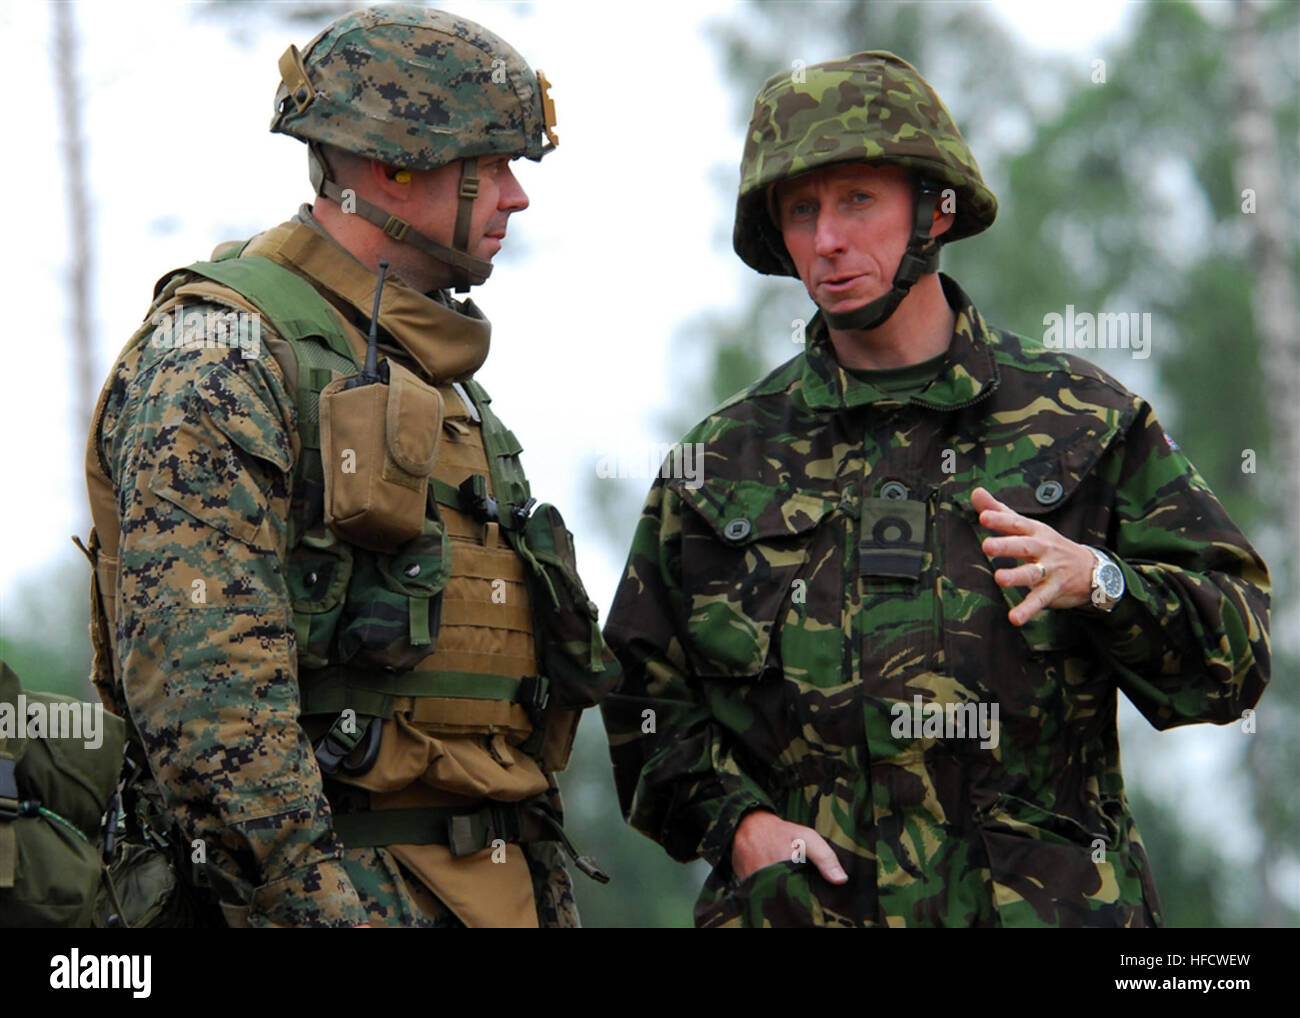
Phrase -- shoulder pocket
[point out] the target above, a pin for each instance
(755, 558)
(202, 471)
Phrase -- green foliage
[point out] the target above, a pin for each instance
(45, 631)
(646, 888)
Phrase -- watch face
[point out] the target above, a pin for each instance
(1111, 580)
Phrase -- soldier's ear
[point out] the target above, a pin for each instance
(392, 181)
(942, 223)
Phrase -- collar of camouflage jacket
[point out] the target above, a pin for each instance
(969, 373)
(448, 343)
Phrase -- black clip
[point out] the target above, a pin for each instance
(534, 696)
(369, 751)
(334, 752)
(476, 501)
(522, 512)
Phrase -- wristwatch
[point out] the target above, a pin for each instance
(1107, 582)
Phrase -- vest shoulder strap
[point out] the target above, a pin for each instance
(316, 344)
(502, 448)
(295, 310)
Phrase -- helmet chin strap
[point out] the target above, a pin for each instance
(466, 270)
(921, 256)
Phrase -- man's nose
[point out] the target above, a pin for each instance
(828, 239)
(513, 198)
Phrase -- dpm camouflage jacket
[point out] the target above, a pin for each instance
(813, 629)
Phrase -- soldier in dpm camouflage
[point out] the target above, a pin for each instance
(352, 647)
(871, 662)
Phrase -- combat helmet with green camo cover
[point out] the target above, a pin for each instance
(417, 89)
(869, 107)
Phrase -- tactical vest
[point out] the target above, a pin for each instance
(391, 641)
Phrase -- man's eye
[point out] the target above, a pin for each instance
(801, 208)
(861, 197)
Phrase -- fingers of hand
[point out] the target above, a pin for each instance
(982, 500)
(1013, 547)
(824, 858)
(1031, 574)
(1044, 594)
(1004, 521)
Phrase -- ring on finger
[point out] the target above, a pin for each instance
(1042, 571)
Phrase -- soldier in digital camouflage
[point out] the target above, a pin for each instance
(871, 663)
(352, 648)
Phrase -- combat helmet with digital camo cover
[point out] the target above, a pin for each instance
(417, 89)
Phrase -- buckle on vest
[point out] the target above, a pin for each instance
(534, 695)
(522, 512)
(476, 501)
(352, 753)
(468, 833)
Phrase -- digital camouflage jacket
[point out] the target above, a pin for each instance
(813, 629)
(234, 605)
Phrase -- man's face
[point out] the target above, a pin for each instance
(499, 195)
(846, 228)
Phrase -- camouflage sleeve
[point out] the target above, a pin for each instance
(201, 449)
(1189, 639)
(678, 778)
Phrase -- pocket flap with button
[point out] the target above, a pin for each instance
(740, 512)
(740, 564)
(1042, 488)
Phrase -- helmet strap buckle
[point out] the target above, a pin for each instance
(464, 214)
(396, 228)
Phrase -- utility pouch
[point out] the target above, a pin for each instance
(149, 883)
(53, 791)
(390, 615)
(557, 742)
(378, 446)
(581, 669)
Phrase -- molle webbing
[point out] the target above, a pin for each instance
(486, 628)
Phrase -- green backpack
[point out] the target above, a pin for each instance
(53, 796)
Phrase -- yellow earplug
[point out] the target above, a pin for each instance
(402, 176)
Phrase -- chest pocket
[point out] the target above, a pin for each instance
(763, 579)
(1040, 491)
